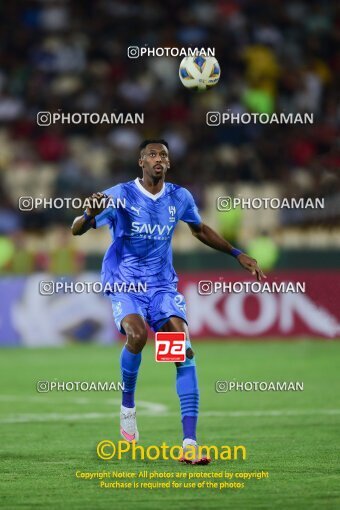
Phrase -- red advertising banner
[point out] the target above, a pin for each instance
(221, 308)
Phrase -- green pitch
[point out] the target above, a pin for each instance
(47, 437)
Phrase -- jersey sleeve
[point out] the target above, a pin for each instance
(104, 218)
(190, 211)
(107, 216)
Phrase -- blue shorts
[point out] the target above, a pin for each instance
(155, 305)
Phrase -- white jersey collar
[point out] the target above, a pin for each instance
(146, 192)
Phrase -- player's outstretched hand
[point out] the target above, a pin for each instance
(251, 265)
(98, 203)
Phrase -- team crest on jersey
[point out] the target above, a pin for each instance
(172, 212)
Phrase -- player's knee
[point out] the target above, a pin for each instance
(190, 359)
(136, 340)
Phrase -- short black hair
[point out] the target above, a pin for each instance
(154, 140)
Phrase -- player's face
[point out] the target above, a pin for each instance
(155, 160)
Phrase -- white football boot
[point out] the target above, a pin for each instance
(128, 424)
(188, 457)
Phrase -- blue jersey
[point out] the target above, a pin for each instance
(142, 226)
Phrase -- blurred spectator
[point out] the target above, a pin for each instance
(72, 57)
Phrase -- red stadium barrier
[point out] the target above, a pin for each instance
(314, 313)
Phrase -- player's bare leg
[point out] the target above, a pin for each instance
(188, 393)
(136, 337)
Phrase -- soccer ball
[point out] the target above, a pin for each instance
(199, 73)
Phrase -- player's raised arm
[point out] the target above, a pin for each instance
(83, 223)
(211, 238)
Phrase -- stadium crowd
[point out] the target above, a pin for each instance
(71, 57)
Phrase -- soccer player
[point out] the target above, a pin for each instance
(141, 252)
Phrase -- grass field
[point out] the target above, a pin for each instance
(47, 437)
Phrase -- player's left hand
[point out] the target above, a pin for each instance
(251, 265)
